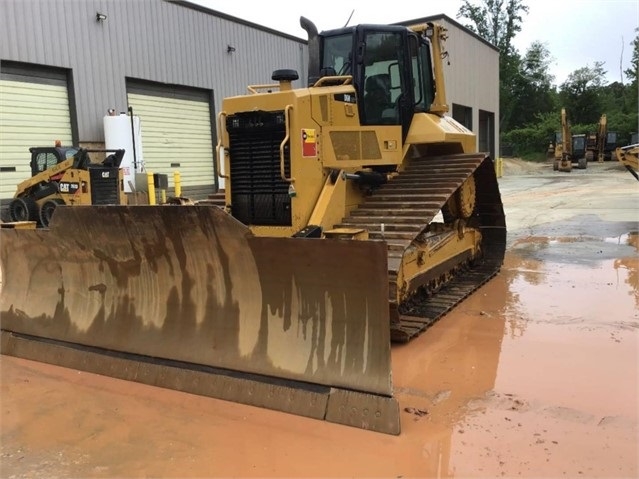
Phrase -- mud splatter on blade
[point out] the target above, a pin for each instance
(188, 287)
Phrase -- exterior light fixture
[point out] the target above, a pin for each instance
(100, 17)
(230, 49)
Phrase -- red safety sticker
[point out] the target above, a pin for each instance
(309, 142)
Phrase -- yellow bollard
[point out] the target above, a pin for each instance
(151, 186)
(177, 184)
(163, 197)
(499, 167)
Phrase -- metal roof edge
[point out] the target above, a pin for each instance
(442, 16)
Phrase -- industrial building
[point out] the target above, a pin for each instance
(64, 65)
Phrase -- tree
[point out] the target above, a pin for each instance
(581, 93)
(533, 87)
(494, 21)
(499, 21)
(633, 71)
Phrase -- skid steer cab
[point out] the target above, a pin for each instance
(66, 176)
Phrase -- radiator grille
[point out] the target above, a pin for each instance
(259, 196)
(105, 186)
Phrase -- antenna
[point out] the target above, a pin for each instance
(349, 18)
(621, 61)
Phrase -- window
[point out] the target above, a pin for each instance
(382, 78)
(464, 115)
(46, 161)
(338, 54)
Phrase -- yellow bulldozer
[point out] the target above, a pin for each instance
(356, 213)
(66, 176)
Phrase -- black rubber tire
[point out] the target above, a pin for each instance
(23, 209)
(47, 209)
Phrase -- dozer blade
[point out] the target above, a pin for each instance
(186, 297)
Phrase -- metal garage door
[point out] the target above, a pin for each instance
(31, 114)
(177, 135)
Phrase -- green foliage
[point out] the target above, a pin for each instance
(532, 88)
(533, 138)
(530, 104)
(624, 124)
(581, 93)
(499, 21)
(632, 72)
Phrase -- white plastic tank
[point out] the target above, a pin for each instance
(118, 133)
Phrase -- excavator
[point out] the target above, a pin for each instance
(602, 143)
(66, 176)
(357, 213)
(565, 146)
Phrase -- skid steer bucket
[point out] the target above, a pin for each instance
(185, 297)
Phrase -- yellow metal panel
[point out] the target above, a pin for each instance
(31, 114)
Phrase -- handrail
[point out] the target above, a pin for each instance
(220, 133)
(345, 80)
(284, 141)
(253, 88)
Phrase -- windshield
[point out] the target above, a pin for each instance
(338, 53)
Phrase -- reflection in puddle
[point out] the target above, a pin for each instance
(604, 290)
(566, 389)
(577, 294)
(631, 239)
(544, 352)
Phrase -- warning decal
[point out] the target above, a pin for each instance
(309, 143)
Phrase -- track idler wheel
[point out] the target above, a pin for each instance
(47, 209)
(23, 209)
(462, 203)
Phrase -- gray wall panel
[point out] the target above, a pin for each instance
(472, 78)
(142, 39)
(165, 42)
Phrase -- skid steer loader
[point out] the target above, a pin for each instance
(66, 176)
(356, 213)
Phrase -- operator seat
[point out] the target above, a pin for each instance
(377, 97)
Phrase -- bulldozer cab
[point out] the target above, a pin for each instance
(391, 69)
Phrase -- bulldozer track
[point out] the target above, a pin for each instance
(402, 209)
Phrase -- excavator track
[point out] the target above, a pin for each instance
(402, 209)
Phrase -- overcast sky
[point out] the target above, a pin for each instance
(577, 32)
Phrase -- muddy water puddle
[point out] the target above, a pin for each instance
(537, 371)
(534, 375)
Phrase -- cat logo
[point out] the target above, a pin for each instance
(106, 174)
(66, 187)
